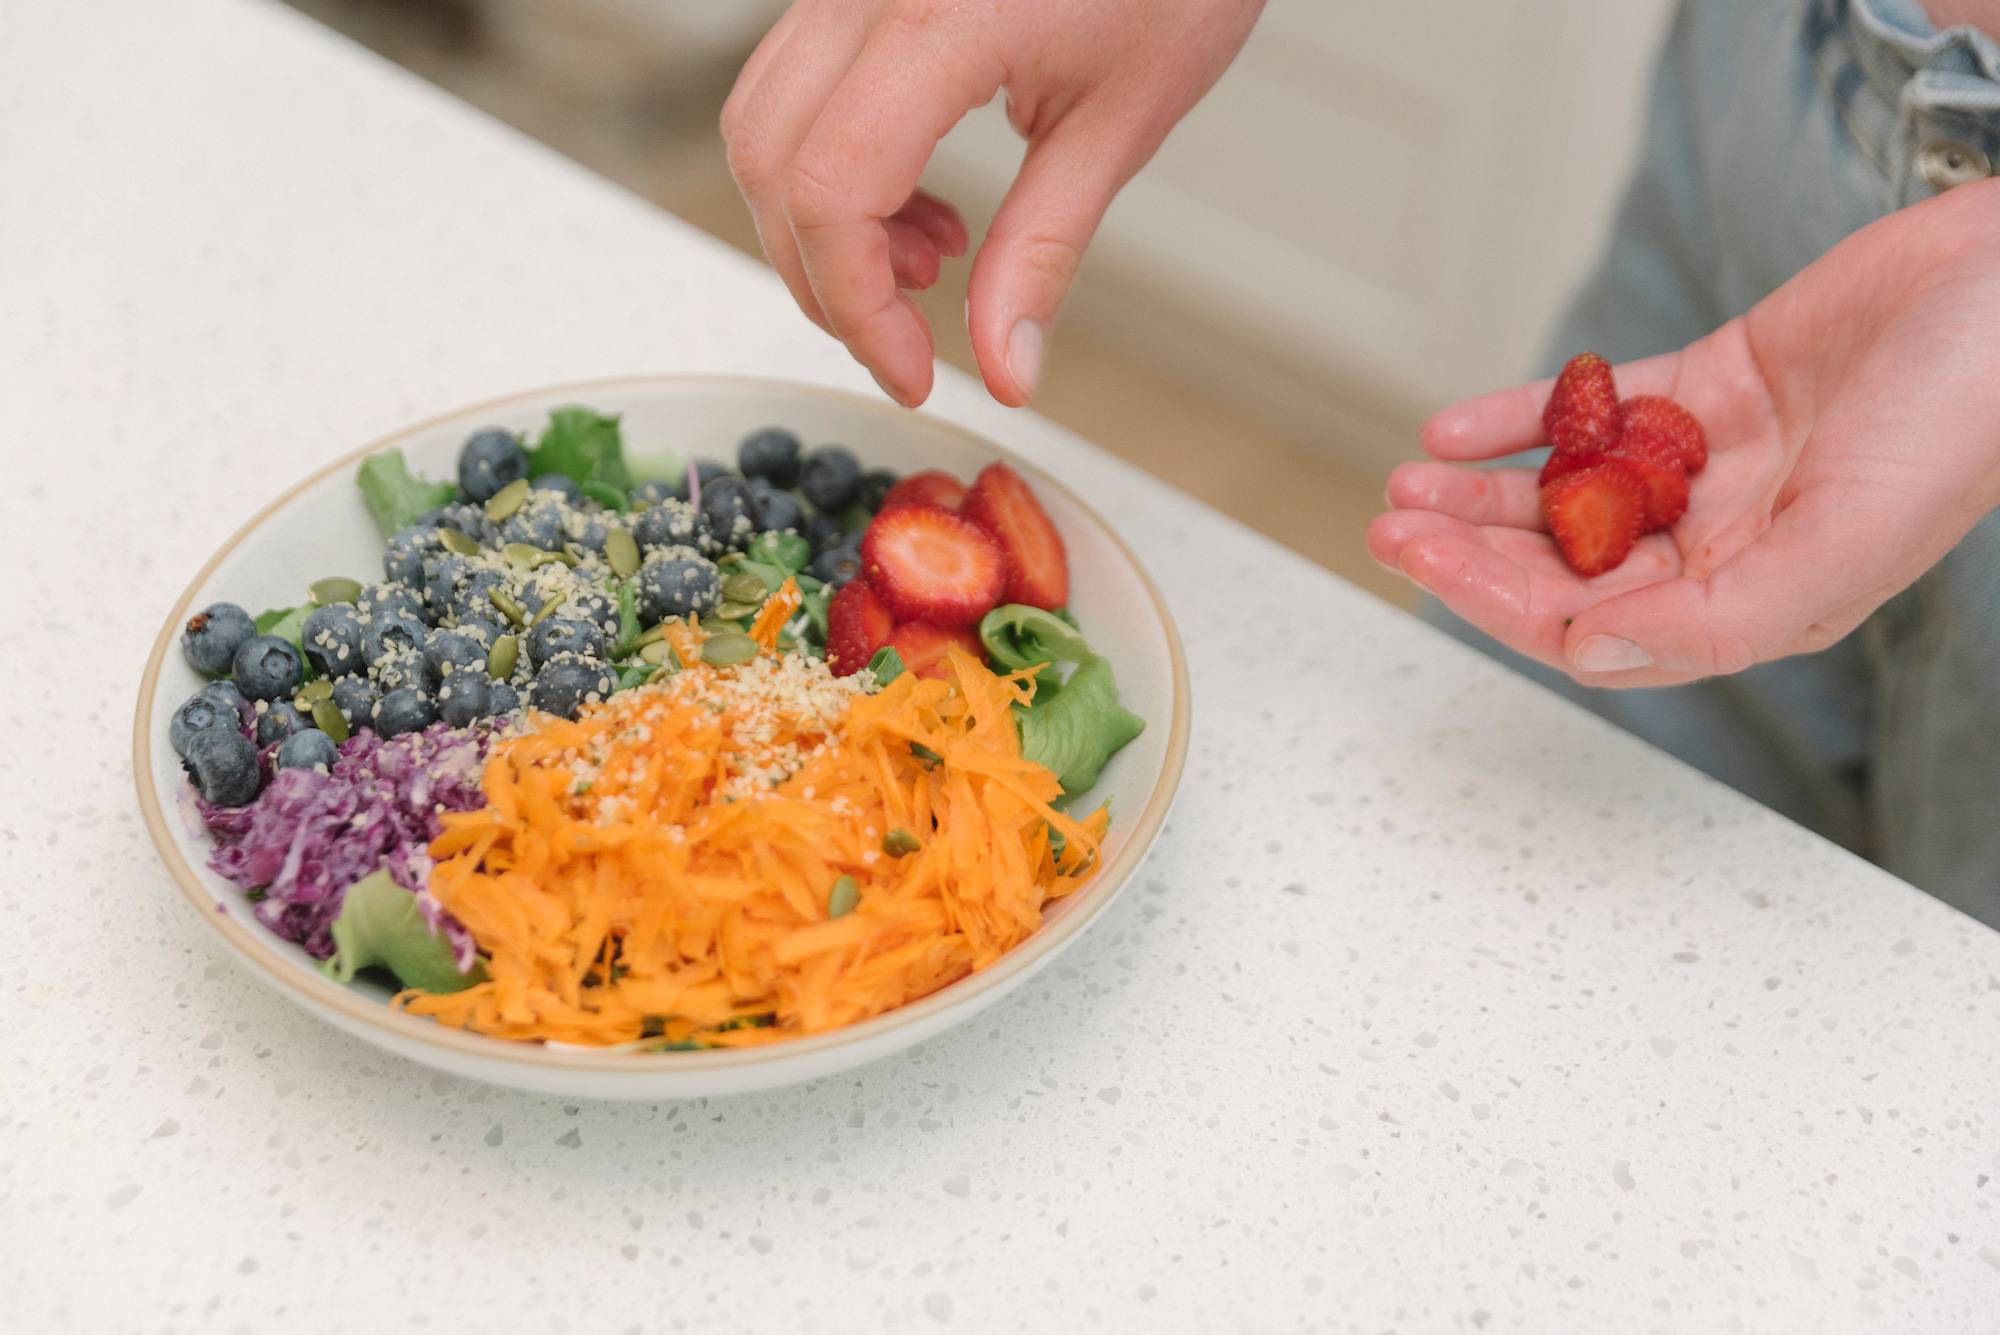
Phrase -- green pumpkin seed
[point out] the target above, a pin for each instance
(658, 652)
(547, 609)
(502, 657)
(646, 637)
(310, 694)
(527, 554)
(509, 607)
(328, 719)
(900, 843)
(455, 540)
(730, 561)
(744, 588)
(622, 553)
(845, 895)
(504, 502)
(334, 589)
(735, 611)
(728, 649)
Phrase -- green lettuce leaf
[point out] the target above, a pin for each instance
(380, 926)
(1017, 636)
(395, 497)
(583, 444)
(887, 665)
(1081, 727)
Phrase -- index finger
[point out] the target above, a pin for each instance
(1510, 420)
(857, 166)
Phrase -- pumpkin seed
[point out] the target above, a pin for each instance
(504, 502)
(728, 649)
(310, 694)
(455, 540)
(622, 553)
(547, 609)
(502, 657)
(735, 611)
(900, 843)
(646, 637)
(841, 900)
(744, 588)
(328, 719)
(509, 607)
(658, 652)
(527, 554)
(334, 589)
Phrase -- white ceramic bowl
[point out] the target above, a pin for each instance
(320, 527)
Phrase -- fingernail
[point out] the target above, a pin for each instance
(1024, 355)
(1608, 653)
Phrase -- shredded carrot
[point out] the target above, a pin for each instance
(664, 865)
(777, 610)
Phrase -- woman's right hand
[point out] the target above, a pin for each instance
(840, 107)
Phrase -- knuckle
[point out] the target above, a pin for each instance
(810, 197)
(1053, 259)
(747, 161)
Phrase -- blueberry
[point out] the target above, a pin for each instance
(501, 698)
(601, 609)
(708, 470)
(562, 484)
(212, 635)
(205, 709)
(651, 492)
(453, 651)
(465, 696)
(676, 586)
(731, 515)
(772, 454)
(473, 600)
(405, 667)
(490, 460)
(823, 531)
(442, 575)
(224, 766)
(470, 520)
(331, 640)
(483, 629)
(831, 477)
(391, 634)
(405, 709)
(670, 523)
(355, 698)
(566, 683)
(308, 748)
(565, 635)
(279, 721)
(874, 487)
(403, 558)
(394, 599)
(839, 563)
(539, 523)
(265, 666)
(775, 510)
(588, 531)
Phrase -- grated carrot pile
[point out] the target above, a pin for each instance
(662, 866)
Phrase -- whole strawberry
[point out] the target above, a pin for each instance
(1581, 418)
(1658, 427)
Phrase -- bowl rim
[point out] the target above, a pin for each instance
(311, 991)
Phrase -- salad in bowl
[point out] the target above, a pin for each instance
(615, 748)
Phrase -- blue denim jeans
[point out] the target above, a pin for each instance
(1776, 128)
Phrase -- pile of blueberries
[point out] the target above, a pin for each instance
(419, 647)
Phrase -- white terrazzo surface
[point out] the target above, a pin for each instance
(1440, 1007)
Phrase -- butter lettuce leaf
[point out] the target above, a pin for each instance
(585, 445)
(397, 498)
(380, 926)
(1079, 728)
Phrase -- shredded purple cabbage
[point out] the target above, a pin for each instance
(308, 836)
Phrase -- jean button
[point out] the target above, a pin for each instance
(1946, 163)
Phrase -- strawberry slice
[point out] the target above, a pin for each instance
(856, 626)
(922, 645)
(927, 564)
(1581, 416)
(1596, 514)
(930, 487)
(1664, 428)
(1660, 462)
(1560, 462)
(1037, 565)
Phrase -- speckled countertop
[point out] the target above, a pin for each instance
(1440, 1007)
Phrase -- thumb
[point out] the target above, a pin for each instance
(1068, 178)
(1784, 593)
